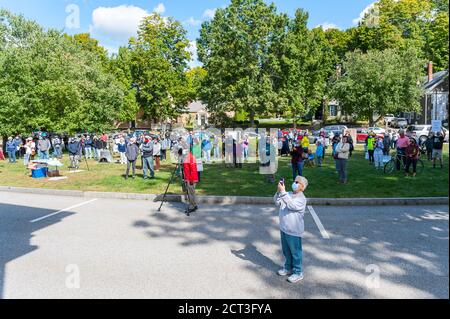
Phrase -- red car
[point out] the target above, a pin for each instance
(362, 134)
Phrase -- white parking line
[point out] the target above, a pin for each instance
(323, 232)
(63, 210)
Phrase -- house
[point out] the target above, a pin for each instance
(434, 102)
(195, 115)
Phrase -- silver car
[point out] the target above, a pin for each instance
(422, 132)
(399, 122)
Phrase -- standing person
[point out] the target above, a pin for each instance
(438, 143)
(19, 145)
(401, 145)
(429, 146)
(216, 147)
(43, 147)
(292, 208)
(334, 143)
(319, 152)
(104, 141)
(147, 148)
(245, 146)
(190, 177)
(157, 154)
(350, 142)
(97, 143)
(132, 154)
(412, 153)
(206, 149)
(74, 149)
(88, 146)
(122, 148)
(386, 144)
(305, 143)
(165, 145)
(56, 142)
(11, 150)
(342, 154)
(297, 161)
(28, 151)
(370, 143)
(378, 153)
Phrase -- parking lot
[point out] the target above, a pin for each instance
(69, 247)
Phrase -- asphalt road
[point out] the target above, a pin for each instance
(64, 247)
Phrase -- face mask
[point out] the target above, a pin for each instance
(295, 187)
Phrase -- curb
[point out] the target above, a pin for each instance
(234, 200)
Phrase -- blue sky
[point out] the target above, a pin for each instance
(113, 21)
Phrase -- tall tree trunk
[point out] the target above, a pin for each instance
(294, 117)
(252, 118)
(371, 119)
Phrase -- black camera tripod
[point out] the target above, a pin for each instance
(186, 193)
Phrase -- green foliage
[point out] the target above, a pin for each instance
(159, 60)
(49, 82)
(195, 78)
(379, 82)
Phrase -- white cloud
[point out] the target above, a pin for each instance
(209, 13)
(160, 8)
(117, 23)
(193, 22)
(194, 56)
(363, 13)
(327, 25)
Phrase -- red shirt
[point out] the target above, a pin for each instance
(190, 169)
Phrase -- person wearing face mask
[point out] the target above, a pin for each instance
(292, 208)
(342, 154)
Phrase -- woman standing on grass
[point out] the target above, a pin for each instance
(297, 161)
(342, 154)
(412, 153)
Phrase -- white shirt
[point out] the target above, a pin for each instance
(156, 149)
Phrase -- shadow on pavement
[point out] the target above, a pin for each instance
(16, 232)
(410, 249)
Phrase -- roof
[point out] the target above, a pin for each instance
(196, 106)
(438, 77)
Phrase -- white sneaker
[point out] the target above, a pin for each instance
(283, 272)
(295, 278)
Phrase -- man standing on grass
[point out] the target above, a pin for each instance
(438, 144)
(401, 145)
(292, 208)
(147, 149)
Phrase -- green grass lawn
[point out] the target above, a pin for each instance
(364, 180)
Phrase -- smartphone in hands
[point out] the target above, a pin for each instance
(282, 181)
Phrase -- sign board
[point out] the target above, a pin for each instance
(436, 126)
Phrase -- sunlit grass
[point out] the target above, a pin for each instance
(364, 180)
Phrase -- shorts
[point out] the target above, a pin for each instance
(437, 154)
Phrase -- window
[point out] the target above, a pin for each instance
(333, 110)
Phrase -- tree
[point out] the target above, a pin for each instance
(49, 82)
(195, 77)
(395, 24)
(158, 63)
(90, 44)
(379, 82)
(235, 49)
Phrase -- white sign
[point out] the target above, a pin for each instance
(436, 126)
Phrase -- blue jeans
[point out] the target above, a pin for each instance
(88, 151)
(293, 253)
(57, 151)
(43, 154)
(12, 156)
(297, 169)
(26, 159)
(148, 164)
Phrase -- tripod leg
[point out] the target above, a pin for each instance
(167, 188)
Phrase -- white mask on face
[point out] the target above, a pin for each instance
(295, 187)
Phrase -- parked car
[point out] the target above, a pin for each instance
(388, 118)
(399, 122)
(363, 133)
(422, 132)
(377, 130)
(332, 130)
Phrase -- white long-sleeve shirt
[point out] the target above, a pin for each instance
(292, 209)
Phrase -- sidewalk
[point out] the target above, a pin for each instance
(234, 200)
